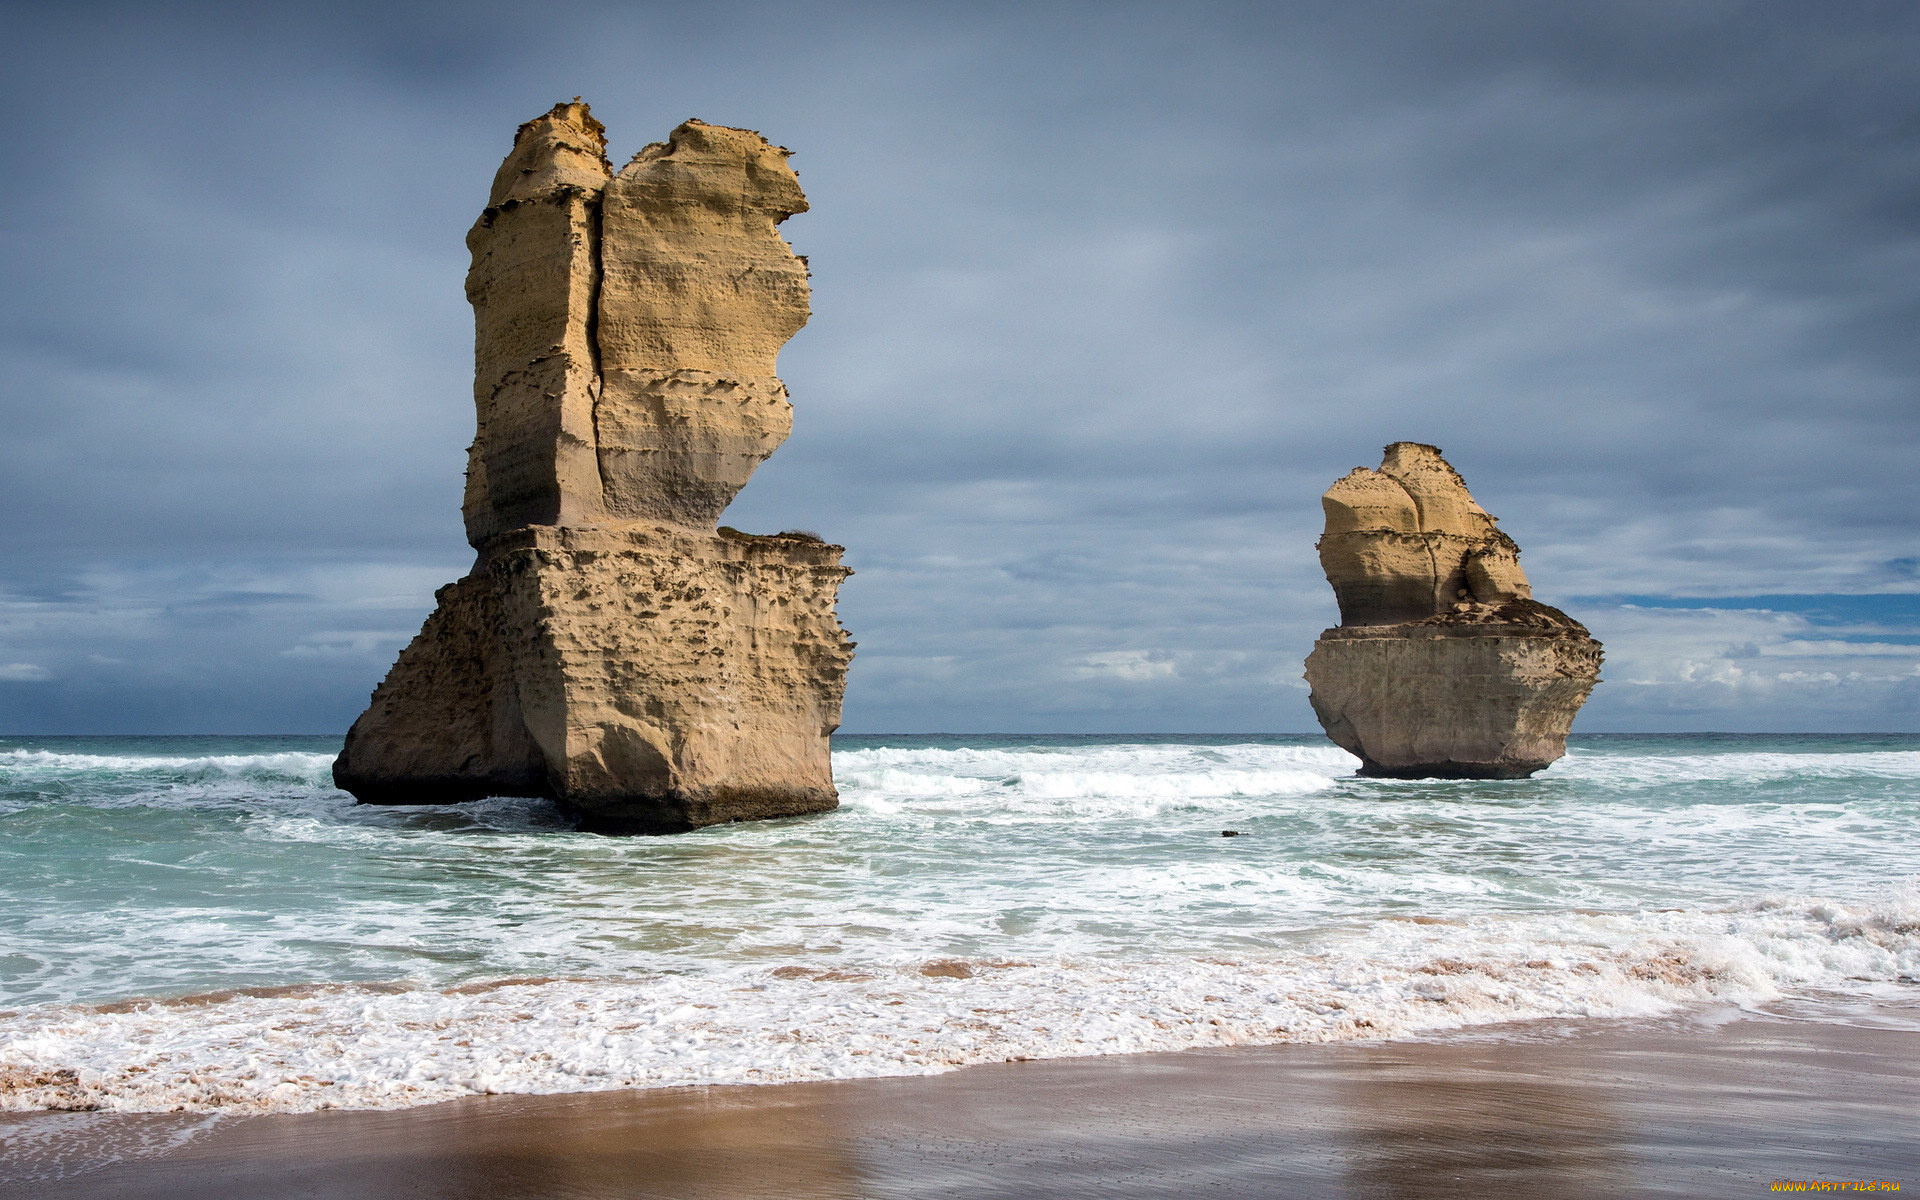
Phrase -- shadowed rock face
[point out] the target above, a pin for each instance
(1443, 666)
(611, 649)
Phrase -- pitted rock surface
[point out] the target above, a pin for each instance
(611, 648)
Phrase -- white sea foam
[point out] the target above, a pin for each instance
(1077, 783)
(1099, 757)
(306, 1048)
(1084, 887)
(1739, 767)
(18, 765)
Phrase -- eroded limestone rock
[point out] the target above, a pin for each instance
(1443, 665)
(611, 648)
(697, 295)
(532, 285)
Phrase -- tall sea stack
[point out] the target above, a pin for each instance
(1443, 665)
(612, 649)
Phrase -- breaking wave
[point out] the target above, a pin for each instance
(973, 900)
(303, 1048)
(23, 767)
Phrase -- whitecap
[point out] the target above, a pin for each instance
(299, 1049)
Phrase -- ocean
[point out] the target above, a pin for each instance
(205, 924)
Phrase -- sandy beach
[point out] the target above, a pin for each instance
(1715, 1103)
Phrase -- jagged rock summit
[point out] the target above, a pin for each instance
(1443, 666)
(611, 648)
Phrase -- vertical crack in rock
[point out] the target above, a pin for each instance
(532, 285)
(1443, 665)
(611, 648)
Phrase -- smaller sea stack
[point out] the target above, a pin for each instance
(1443, 666)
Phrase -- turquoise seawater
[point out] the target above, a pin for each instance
(983, 887)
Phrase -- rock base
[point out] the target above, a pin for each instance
(1468, 695)
(653, 678)
(1451, 770)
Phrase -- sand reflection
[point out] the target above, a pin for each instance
(1608, 1109)
(1439, 1124)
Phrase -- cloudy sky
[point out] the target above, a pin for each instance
(1105, 295)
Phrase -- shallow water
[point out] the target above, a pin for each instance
(974, 899)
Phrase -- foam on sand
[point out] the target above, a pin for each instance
(305, 1048)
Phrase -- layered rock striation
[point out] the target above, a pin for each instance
(1443, 665)
(613, 649)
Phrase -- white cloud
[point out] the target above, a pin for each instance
(24, 673)
(1729, 668)
(1839, 649)
(1131, 665)
(349, 643)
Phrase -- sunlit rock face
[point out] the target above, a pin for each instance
(1443, 665)
(535, 274)
(698, 292)
(611, 648)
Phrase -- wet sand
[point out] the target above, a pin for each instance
(1714, 1104)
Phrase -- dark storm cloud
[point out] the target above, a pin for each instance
(1105, 296)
